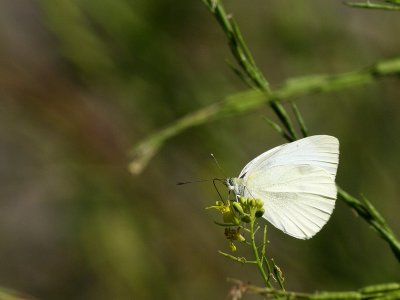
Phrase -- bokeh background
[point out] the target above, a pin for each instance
(82, 81)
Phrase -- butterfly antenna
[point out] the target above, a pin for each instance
(249, 192)
(215, 186)
(204, 180)
(219, 167)
(194, 181)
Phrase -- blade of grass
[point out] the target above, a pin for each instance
(250, 100)
(370, 5)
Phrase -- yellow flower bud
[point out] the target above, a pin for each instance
(238, 207)
(232, 246)
(239, 237)
(259, 203)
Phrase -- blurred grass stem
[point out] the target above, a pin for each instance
(394, 6)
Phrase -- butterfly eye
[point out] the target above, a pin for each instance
(229, 184)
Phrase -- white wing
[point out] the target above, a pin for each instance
(318, 150)
(296, 181)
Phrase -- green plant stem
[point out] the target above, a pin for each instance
(300, 120)
(368, 212)
(242, 260)
(387, 291)
(256, 255)
(278, 129)
(278, 274)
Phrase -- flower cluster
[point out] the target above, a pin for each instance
(244, 210)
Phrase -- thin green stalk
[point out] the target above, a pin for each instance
(277, 128)
(369, 213)
(370, 5)
(278, 274)
(284, 118)
(299, 118)
(256, 255)
(242, 260)
(264, 245)
(240, 74)
(264, 259)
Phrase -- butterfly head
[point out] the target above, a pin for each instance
(230, 184)
(235, 185)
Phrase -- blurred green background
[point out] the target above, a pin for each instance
(82, 81)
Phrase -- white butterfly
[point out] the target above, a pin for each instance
(296, 182)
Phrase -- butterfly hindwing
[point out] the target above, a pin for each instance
(298, 199)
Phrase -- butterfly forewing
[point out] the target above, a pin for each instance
(317, 150)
